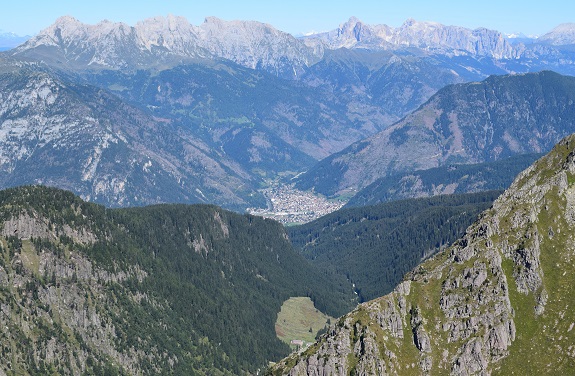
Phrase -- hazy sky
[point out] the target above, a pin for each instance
(298, 16)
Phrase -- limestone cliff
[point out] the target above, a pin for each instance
(496, 302)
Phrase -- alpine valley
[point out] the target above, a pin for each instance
(130, 154)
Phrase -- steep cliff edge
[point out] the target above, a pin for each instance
(496, 302)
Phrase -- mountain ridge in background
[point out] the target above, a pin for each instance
(466, 123)
(76, 136)
(9, 40)
(445, 180)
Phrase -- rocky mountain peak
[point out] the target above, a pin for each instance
(246, 30)
(255, 44)
(62, 28)
(352, 28)
(482, 41)
(425, 35)
(67, 27)
(108, 44)
(351, 34)
(66, 21)
(563, 34)
(170, 23)
(411, 23)
(173, 33)
(350, 24)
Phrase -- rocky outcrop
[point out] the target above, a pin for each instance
(27, 226)
(471, 309)
(72, 299)
(430, 36)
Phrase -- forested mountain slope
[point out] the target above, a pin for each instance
(169, 289)
(449, 179)
(375, 246)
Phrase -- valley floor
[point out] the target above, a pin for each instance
(288, 205)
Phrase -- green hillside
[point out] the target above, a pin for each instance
(169, 289)
(374, 246)
(450, 179)
(298, 319)
(496, 302)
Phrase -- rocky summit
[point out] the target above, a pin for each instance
(498, 301)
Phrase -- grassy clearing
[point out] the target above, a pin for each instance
(30, 258)
(296, 317)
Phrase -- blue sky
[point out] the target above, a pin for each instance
(298, 16)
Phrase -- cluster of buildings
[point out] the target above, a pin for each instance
(291, 206)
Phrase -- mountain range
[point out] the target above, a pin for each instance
(165, 111)
(242, 99)
(172, 40)
(10, 40)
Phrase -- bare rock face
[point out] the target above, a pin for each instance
(425, 35)
(256, 45)
(72, 296)
(28, 226)
(472, 309)
(171, 40)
